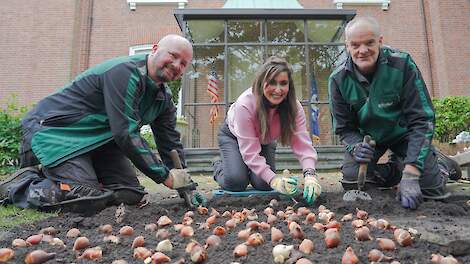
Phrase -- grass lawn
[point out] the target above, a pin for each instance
(11, 216)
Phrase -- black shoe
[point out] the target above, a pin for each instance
(13, 178)
(449, 165)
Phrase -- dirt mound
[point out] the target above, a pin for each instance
(435, 220)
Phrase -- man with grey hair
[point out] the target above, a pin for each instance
(379, 91)
(85, 136)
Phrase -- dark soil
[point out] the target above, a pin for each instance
(441, 221)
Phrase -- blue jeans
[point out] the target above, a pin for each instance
(231, 172)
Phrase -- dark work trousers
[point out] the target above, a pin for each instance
(432, 180)
(87, 175)
(231, 172)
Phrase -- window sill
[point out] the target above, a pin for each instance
(384, 3)
(133, 3)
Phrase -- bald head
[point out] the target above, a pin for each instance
(169, 58)
(362, 24)
(172, 39)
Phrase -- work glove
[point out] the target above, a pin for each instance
(363, 152)
(409, 192)
(312, 188)
(284, 185)
(179, 177)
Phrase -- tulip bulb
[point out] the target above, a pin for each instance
(349, 257)
(386, 244)
(376, 255)
(187, 231)
(227, 214)
(310, 218)
(253, 225)
(244, 234)
(202, 210)
(112, 239)
(358, 223)
(198, 254)
(19, 243)
(138, 242)
(48, 231)
(306, 246)
(34, 239)
(107, 229)
(281, 253)
(383, 224)
(213, 241)
(268, 211)
(403, 237)
(363, 234)
(276, 234)
(296, 231)
(191, 245)
(81, 243)
(164, 246)
(214, 212)
(162, 234)
(92, 254)
(6, 254)
(141, 253)
(255, 240)
(164, 221)
(240, 251)
(73, 233)
(230, 224)
(159, 257)
(273, 203)
(361, 214)
(347, 217)
(332, 238)
(119, 261)
(319, 226)
(57, 242)
(219, 231)
(151, 227)
(439, 259)
(126, 231)
(303, 261)
(38, 256)
(333, 224)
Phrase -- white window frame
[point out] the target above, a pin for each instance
(384, 3)
(133, 3)
(140, 49)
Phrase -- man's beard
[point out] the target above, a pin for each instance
(161, 75)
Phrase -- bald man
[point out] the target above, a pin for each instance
(379, 91)
(85, 136)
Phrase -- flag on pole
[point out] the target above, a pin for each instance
(314, 112)
(213, 90)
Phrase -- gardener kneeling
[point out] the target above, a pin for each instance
(379, 91)
(77, 143)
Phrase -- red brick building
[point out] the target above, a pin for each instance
(45, 43)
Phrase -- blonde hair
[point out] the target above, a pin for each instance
(287, 109)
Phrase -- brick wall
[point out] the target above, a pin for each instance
(35, 47)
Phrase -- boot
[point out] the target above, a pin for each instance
(14, 178)
(450, 165)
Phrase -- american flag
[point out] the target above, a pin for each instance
(213, 90)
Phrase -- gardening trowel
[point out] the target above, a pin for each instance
(353, 195)
(191, 197)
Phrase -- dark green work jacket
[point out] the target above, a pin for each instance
(110, 101)
(393, 104)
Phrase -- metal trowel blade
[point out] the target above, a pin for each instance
(354, 195)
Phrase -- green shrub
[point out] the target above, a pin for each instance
(10, 135)
(452, 117)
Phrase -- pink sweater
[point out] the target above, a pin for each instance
(243, 123)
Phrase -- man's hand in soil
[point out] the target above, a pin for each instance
(363, 152)
(284, 185)
(312, 189)
(409, 191)
(177, 178)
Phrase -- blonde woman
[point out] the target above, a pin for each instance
(265, 113)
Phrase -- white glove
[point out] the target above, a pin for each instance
(284, 185)
(179, 178)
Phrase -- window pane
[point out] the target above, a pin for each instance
(323, 60)
(295, 55)
(244, 31)
(201, 133)
(325, 31)
(243, 63)
(206, 59)
(319, 123)
(285, 31)
(205, 31)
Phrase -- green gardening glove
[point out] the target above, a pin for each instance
(284, 185)
(312, 188)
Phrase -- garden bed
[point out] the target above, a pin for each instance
(435, 221)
